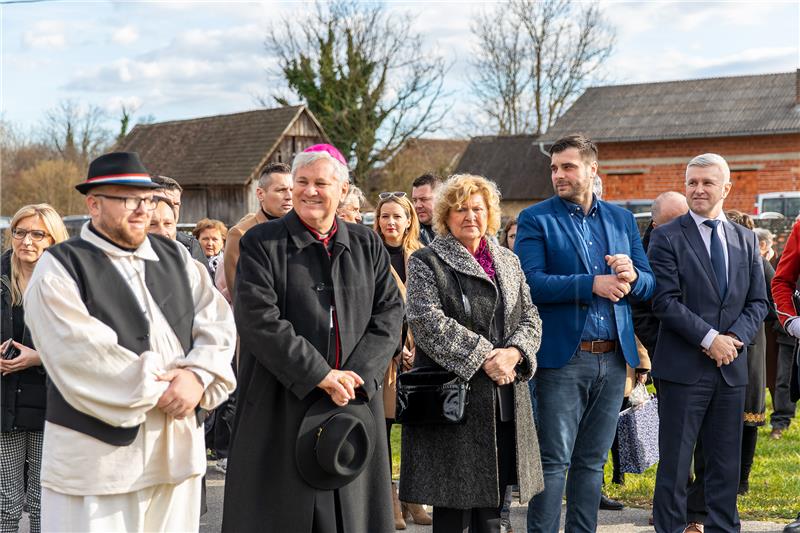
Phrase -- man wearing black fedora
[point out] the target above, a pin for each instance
(319, 317)
(134, 339)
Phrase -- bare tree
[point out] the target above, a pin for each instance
(76, 132)
(364, 74)
(533, 58)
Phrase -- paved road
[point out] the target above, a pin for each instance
(627, 521)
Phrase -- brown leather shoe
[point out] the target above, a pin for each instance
(694, 527)
(397, 509)
(776, 434)
(416, 512)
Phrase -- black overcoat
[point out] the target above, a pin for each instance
(282, 302)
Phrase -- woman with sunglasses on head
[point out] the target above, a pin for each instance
(398, 226)
(22, 400)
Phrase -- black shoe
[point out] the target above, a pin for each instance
(794, 527)
(607, 504)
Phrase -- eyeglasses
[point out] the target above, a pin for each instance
(395, 194)
(35, 234)
(132, 203)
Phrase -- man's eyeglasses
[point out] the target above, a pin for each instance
(396, 194)
(35, 234)
(132, 203)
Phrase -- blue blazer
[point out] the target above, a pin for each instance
(557, 270)
(688, 304)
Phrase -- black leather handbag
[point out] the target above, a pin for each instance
(433, 395)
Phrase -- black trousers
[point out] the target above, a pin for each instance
(483, 519)
(713, 410)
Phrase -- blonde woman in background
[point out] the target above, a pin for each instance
(398, 226)
(34, 228)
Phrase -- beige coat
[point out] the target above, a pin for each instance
(644, 364)
(390, 379)
(235, 234)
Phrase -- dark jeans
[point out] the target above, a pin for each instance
(784, 407)
(712, 409)
(578, 407)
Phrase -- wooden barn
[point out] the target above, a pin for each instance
(515, 164)
(218, 160)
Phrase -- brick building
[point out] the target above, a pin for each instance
(646, 133)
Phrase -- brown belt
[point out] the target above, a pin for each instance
(598, 346)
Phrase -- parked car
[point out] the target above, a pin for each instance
(634, 206)
(786, 203)
(74, 223)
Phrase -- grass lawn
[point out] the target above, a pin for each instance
(774, 481)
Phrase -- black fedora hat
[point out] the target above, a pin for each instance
(117, 168)
(334, 443)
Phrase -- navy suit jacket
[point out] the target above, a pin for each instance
(558, 273)
(688, 304)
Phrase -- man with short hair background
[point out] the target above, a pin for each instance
(582, 258)
(162, 220)
(134, 339)
(172, 191)
(423, 195)
(710, 300)
(274, 193)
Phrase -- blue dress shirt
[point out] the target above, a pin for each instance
(600, 323)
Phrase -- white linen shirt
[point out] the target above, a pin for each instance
(99, 377)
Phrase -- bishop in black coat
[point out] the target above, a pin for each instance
(284, 285)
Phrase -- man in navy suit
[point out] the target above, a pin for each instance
(583, 259)
(710, 298)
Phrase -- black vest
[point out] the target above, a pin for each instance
(109, 298)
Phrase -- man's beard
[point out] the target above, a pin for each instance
(120, 236)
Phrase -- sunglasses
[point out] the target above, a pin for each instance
(395, 194)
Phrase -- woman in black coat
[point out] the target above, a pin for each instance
(319, 316)
(23, 390)
(470, 310)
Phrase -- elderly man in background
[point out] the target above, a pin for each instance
(710, 299)
(274, 193)
(423, 194)
(350, 207)
(134, 339)
(320, 317)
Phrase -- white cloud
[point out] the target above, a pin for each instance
(114, 104)
(125, 35)
(45, 34)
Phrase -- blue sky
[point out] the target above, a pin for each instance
(175, 60)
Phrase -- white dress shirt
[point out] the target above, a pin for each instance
(99, 377)
(705, 234)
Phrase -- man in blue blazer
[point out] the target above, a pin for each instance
(583, 260)
(711, 299)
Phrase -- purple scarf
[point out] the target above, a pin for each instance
(484, 258)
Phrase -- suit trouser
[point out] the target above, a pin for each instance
(784, 407)
(712, 409)
(169, 507)
(578, 414)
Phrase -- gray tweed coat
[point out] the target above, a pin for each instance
(456, 465)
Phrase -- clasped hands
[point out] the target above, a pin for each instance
(183, 394)
(724, 349)
(615, 286)
(341, 385)
(500, 365)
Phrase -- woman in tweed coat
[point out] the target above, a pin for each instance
(464, 470)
